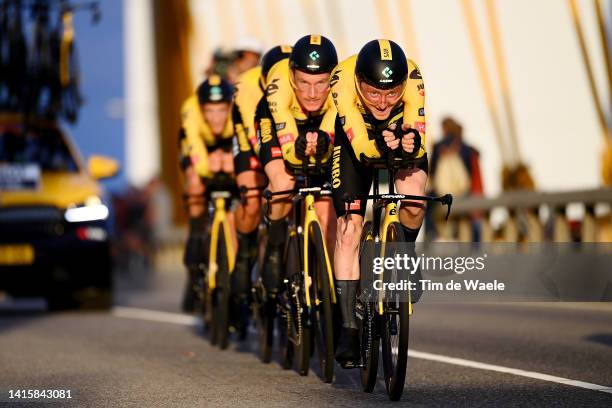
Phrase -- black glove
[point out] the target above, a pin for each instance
(300, 146)
(381, 144)
(322, 144)
(399, 133)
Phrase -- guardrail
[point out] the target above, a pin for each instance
(532, 217)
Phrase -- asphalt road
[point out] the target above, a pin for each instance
(461, 355)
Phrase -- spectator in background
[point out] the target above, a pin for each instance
(455, 169)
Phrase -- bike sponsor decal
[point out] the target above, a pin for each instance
(280, 126)
(355, 205)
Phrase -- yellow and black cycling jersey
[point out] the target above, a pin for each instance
(288, 116)
(359, 125)
(196, 137)
(249, 89)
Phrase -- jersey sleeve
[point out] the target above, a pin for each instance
(193, 144)
(279, 95)
(414, 104)
(346, 98)
(240, 130)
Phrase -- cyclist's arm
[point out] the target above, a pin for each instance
(279, 95)
(414, 103)
(346, 98)
(193, 144)
(240, 130)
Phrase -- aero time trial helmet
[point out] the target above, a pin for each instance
(313, 54)
(381, 64)
(274, 55)
(215, 89)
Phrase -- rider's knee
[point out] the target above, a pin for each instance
(412, 209)
(348, 233)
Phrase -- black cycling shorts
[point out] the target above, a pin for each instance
(246, 161)
(350, 176)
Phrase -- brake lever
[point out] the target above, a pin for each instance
(447, 199)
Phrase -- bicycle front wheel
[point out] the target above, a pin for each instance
(395, 330)
(324, 334)
(369, 330)
(221, 294)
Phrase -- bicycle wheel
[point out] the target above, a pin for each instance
(323, 319)
(369, 333)
(395, 331)
(288, 329)
(220, 301)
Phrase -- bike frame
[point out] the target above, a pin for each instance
(220, 220)
(310, 218)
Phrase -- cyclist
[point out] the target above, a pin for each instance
(205, 141)
(375, 92)
(249, 89)
(295, 123)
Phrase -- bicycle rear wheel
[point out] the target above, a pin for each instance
(369, 330)
(323, 318)
(221, 294)
(395, 331)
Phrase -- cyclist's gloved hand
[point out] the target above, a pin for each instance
(410, 140)
(300, 146)
(322, 144)
(387, 141)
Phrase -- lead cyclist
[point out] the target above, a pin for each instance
(375, 92)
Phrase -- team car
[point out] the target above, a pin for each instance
(54, 230)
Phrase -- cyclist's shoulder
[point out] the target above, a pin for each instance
(278, 83)
(248, 81)
(414, 72)
(190, 103)
(342, 83)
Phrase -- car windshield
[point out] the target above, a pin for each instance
(44, 147)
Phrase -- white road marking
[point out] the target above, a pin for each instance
(185, 320)
(507, 370)
(155, 316)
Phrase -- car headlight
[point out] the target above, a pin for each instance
(90, 210)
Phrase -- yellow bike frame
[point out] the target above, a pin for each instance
(310, 217)
(219, 221)
(391, 216)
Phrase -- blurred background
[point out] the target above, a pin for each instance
(518, 102)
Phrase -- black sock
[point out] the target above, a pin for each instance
(197, 224)
(246, 241)
(410, 234)
(277, 232)
(346, 290)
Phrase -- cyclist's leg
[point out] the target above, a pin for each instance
(195, 254)
(279, 180)
(348, 177)
(412, 212)
(248, 174)
(327, 217)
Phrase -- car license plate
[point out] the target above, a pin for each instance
(16, 254)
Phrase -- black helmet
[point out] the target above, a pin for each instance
(382, 64)
(215, 89)
(274, 55)
(313, 54)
